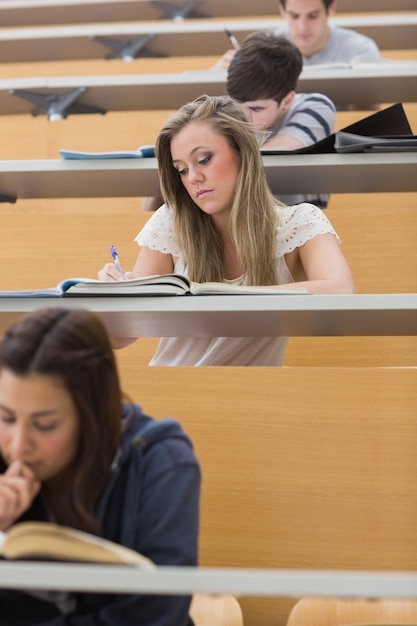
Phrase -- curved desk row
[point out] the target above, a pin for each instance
(391, 31)
(238, 316)
(25, 12)
(286, 174)
(31, 12)
(188, 580)
(362, 85)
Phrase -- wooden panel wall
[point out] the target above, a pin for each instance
(302, 467)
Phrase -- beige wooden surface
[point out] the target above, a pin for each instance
(139, 66)
(333, 611)
(216, 610)
(302, 467)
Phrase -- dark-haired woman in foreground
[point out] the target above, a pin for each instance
(72, 452)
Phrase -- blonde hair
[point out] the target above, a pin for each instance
(253, 218)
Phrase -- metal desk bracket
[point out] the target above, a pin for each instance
(178, 12)
(127, 49)
(56, 106)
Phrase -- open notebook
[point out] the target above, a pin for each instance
(159, 285)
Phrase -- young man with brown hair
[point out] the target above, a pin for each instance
(307, 26)
(263, 77)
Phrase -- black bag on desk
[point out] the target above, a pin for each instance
(387, 122)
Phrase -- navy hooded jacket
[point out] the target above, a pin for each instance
(151, 504)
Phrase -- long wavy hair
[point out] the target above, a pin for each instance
(74, 346)
(253, 217)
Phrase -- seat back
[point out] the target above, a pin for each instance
(334, 612)
(215, 610)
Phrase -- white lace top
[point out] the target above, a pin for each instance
(297, 225)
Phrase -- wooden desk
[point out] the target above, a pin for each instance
(361, 85)
(188, 580)
(42, 12)
(295, 173)
(391, 31)
(239, 316)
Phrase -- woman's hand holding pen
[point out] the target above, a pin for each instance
(18, 488)
(110, 272)
(113, 271)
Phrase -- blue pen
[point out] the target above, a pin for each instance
(116, 258)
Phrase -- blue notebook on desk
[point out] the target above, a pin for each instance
(141, 153)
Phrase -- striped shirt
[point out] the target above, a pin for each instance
(310, 119)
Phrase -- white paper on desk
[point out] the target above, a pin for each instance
(364, 61)
(360, 62)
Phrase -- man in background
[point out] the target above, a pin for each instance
(263, 77)
(307, 26)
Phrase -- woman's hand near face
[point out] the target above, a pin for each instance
(18, 488)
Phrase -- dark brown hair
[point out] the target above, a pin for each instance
(73, 345)
(326, 4)
(266, 67)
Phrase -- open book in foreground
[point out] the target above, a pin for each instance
(47, 541)
(159, 285)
